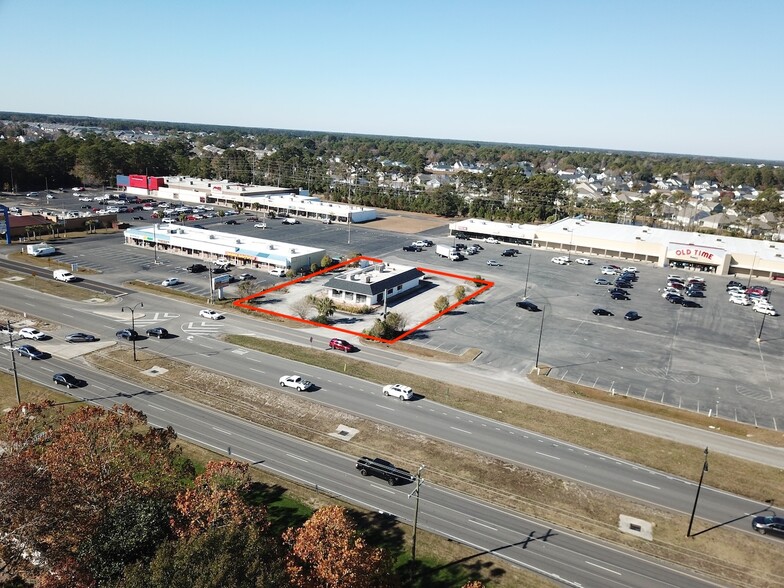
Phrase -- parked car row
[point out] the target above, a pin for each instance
(679, 288)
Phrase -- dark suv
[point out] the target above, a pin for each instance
(197, 268)
(384, 470)
(127, 334)
(508, 253)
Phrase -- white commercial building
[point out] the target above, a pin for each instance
(264, 199)
(663, 247)
(375, 283)
(207, 245)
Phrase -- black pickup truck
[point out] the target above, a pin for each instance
(384, 470)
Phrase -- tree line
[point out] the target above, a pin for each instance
(345, 168)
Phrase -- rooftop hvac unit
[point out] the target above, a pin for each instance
(367, 279)
(212, 236)
(238, 241)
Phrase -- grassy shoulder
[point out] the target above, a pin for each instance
(720, 553)
(441, 563)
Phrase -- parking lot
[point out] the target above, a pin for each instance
(701, 359)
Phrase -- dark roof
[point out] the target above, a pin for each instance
(27, 220)
(362, 287)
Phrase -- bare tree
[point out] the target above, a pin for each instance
(302, 307)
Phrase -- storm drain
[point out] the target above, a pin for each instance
(344, 433)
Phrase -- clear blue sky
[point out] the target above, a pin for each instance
(680, 76)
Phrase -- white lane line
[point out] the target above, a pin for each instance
(155, 406)
(221, 431)
(461, 430)
(258, 371)
(385, 489)
(385, 407)
(482, 525)
(68, 315)
(603, 568)
(644, 484)
(292, 456)
(547, 455)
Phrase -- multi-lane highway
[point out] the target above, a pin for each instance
(198, 343)
(554, 552)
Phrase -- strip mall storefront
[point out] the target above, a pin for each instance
(697, 257)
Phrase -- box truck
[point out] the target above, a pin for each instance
(40, 250)
(449, 252)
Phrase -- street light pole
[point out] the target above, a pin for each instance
(762, 325)
(699, 487)
(751, 271)
(539, 345)
(527, 271)
(133, 324)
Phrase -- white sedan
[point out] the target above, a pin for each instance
(170, 282)
(210, 314)
(583, 261)
(399, 391)
(491, 240)
(260, 226)
(31, 333)
(560, 260)
(297, 382)
(764, 309)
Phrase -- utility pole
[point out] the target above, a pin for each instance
(527, 271)
(416, 516)
(699, 487)
(13, 362)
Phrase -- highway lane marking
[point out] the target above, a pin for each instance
(221, 431)
(291, 455)
(482, 525)
(603, 568)
(98, 387)
(461, 430)
(259, 371)
(156, 406)
(383, 488)
(644, 484)
(546, 455)
(68, 315)
(385, 407)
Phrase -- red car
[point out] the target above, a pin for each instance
(342, 345)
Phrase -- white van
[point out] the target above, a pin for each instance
(62, 275)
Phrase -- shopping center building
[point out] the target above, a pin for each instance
(663, 247)
(262, 199)
(207, 246)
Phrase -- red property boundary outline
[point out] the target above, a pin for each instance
(244, 302)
